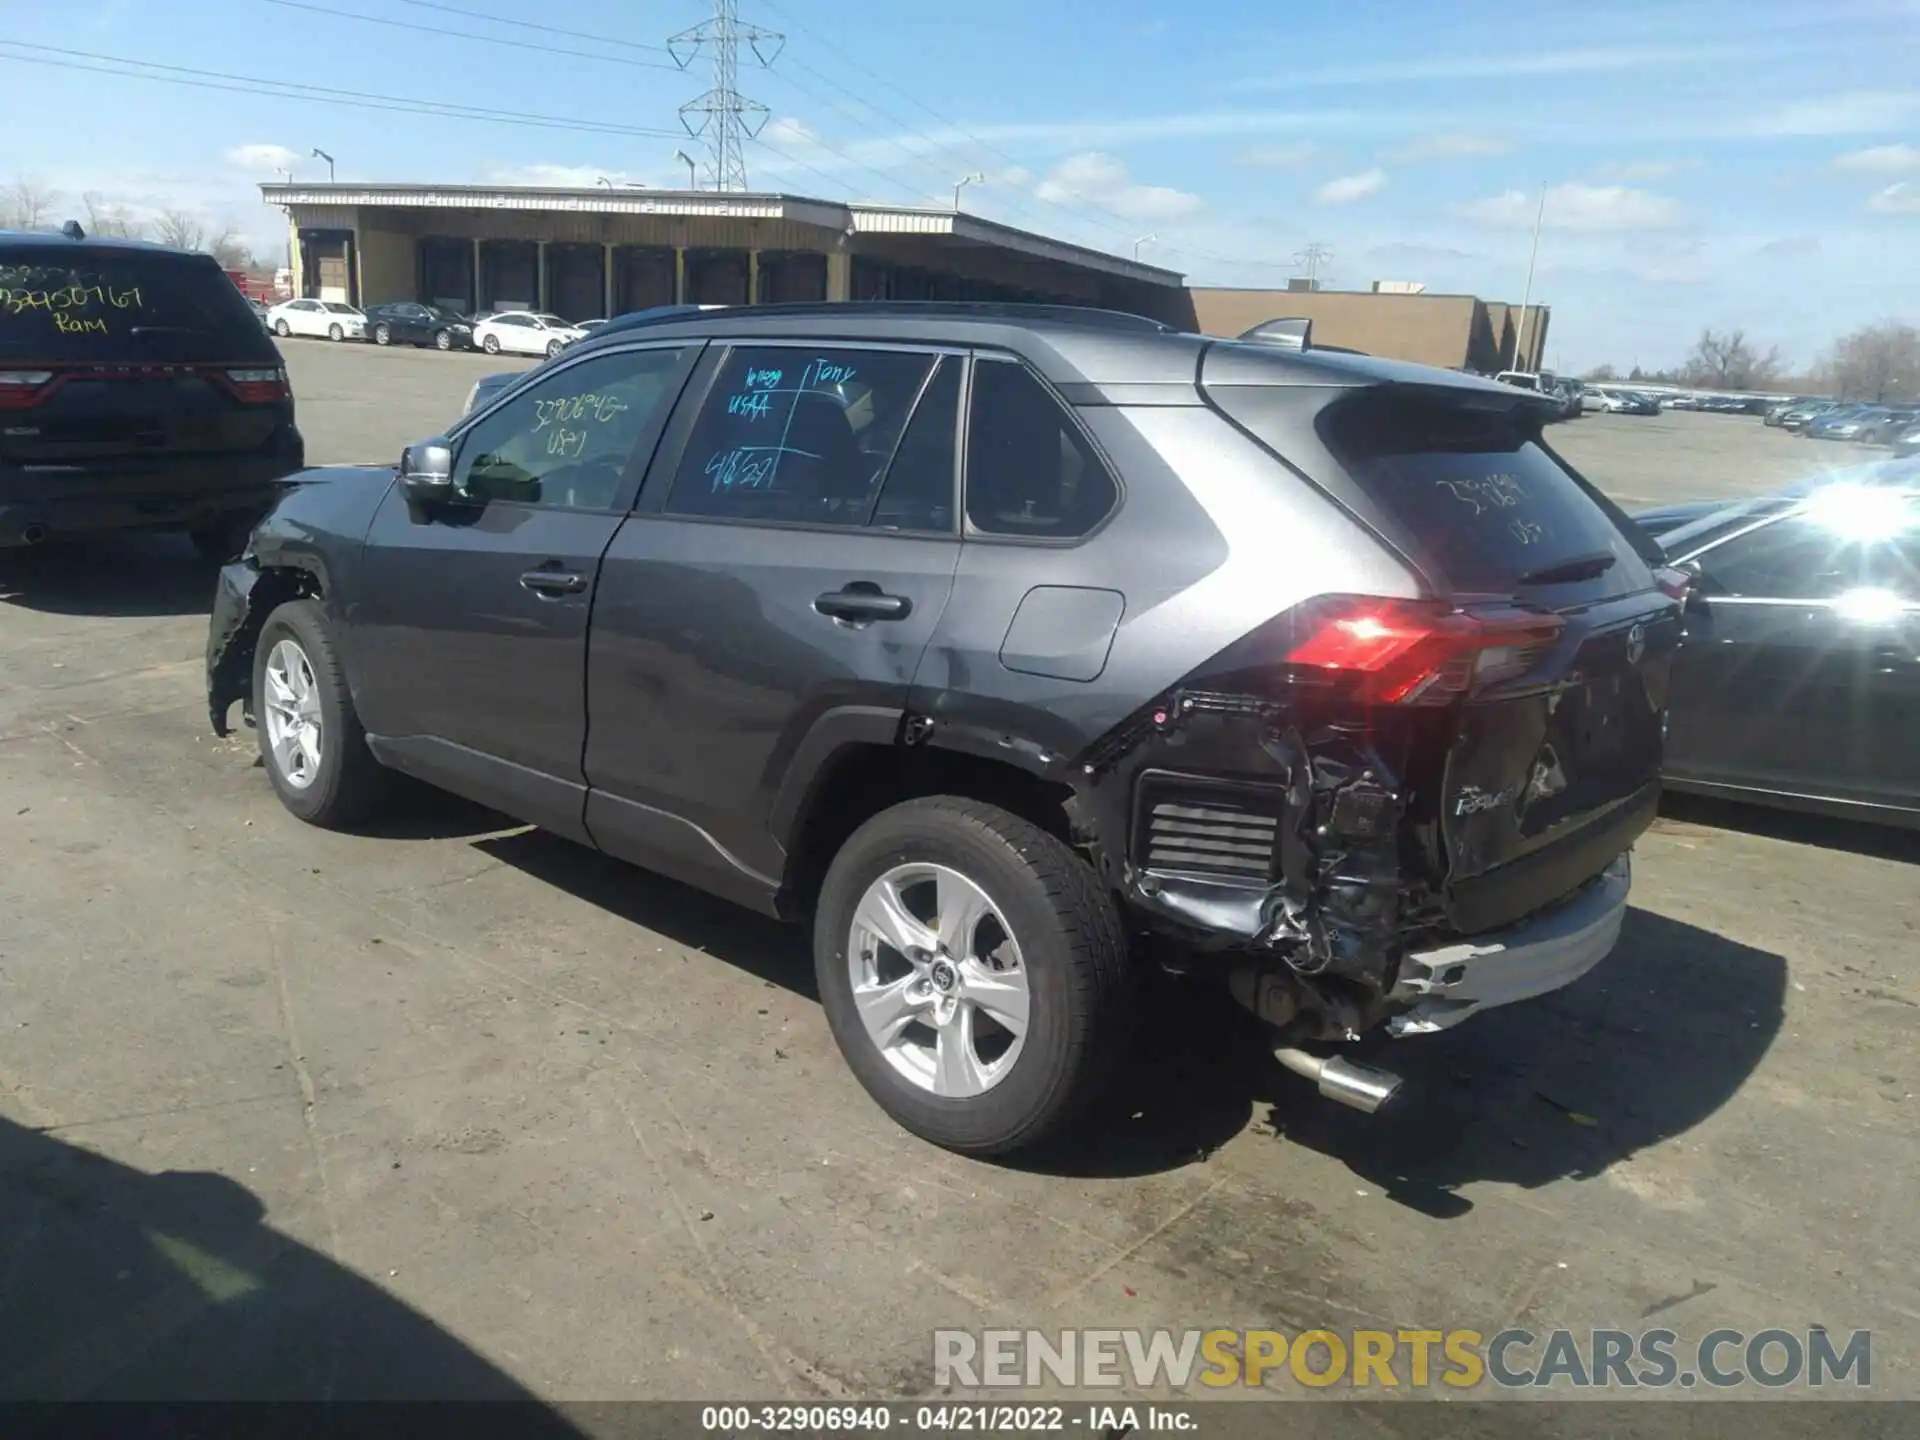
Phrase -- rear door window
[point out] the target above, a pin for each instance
(72, 304)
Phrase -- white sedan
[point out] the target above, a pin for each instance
(525, 332)
(332, 319)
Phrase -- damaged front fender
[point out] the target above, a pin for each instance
(231, 632)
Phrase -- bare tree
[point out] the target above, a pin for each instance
(231, 250)
(1602, 373)
(180, 229)
(28, 204)
(1730, 362)
(107, 217)
(1878, 362)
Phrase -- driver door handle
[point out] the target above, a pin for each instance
(860, 601)
(552, 584)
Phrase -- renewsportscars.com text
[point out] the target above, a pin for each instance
(1203, 1360)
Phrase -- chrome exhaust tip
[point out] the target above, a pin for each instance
(1359, 1087)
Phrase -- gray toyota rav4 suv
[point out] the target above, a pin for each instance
(1011, 648)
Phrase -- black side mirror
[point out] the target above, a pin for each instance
(426, 471)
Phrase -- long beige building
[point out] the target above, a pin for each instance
(586, 253)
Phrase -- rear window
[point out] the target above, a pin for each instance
(1472, 493)
(68, 304)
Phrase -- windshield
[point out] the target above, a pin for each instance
(59, 305)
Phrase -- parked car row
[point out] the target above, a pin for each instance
(505, 332)
(1615, 400)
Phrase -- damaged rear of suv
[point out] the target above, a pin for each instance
(1398, 808)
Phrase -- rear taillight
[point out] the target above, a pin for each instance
(1673, 583)
(23, 389)
(265, 386)
(1415, 652)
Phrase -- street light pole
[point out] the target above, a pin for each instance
(693, 181)
(1143, 240)
(1526, 297)
(977, 178)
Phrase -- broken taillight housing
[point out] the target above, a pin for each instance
(22, 389)
(1415, 652)
(264, 386)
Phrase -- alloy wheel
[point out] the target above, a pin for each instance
(938, 980)
(294, 726)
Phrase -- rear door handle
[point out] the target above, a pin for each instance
(552, 584)
(864, 603)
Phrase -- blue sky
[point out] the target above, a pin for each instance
(1753, 165)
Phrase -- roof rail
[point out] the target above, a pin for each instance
(1014, 311)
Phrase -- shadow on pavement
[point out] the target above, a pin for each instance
(1643, 1049)
(125, 575)
(1879, 842)
(730, 933)
(120, 1285)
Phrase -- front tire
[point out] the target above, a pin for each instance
(554, 347)
(491, 344)
(443, 340)
(311, 741)
(334, 332)
(974, 972)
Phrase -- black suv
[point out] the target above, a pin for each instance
(138, 391)
(1012, 647)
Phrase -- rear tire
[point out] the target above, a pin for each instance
(320, 765)
(381, 335)
(1042, 923)
(491, 344)
(282, 329)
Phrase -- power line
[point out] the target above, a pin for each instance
(51, 55)
(726, 117)
(1112, 221)
(519, 45)
(534, 25)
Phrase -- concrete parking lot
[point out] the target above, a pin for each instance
(460, 1109)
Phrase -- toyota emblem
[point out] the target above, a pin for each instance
(1636, 644)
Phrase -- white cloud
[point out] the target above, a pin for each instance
(1859, 113)
(1105, 181)
(1900, 198)
(1880, 157)
(262, 158)
(1349, 188)
(558, 177)
(789, 133)
(1448, 147)
(1280, 157)
(1575, 206)
(1591, 60)
(1615, 171)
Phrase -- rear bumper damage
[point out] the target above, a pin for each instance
(1443, 986)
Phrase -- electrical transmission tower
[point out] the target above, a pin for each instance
(723, 116)
(1312, 258)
